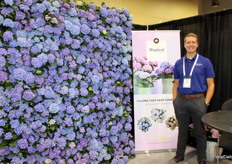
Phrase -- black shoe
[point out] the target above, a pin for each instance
(178, 158)
(202, 162)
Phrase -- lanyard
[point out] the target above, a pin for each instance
(190, 75)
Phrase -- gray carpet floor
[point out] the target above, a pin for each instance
(165, 157)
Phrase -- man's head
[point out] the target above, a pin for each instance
(191, 43)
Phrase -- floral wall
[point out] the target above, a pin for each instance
(65, 81)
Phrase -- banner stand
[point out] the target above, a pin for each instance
(154, 55)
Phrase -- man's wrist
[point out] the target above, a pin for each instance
(207, 103)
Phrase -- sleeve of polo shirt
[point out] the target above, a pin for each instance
(209, 69)
(176, 69)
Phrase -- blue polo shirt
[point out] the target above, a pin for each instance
(202, 71)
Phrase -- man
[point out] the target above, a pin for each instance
(192, 91)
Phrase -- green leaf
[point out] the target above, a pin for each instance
(90, 88)
(52, 128)
(3, 144)
(110, 150)
(6, 126)
(125, 113)
(39, 72)
(8, 86)
(13, 143)
(107, 35)
(14, 136)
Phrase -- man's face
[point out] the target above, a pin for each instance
(191, 44)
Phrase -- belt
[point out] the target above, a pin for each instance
(193, 95)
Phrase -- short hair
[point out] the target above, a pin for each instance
(191, 35)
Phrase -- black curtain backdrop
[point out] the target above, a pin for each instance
(215, 42)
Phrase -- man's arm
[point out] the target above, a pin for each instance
(210, 90)
(174, 89)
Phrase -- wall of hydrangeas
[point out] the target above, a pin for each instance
(65, 83)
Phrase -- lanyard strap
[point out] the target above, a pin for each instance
(184, 72)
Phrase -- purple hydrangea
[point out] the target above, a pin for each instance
(20, 15)
(3, 76)
(14, 123)
(2, 61)
(8, 136)
(39, 107)
(19, 73)
(83, 92)
(54, 108)
(104, 12)
(43, 58)
(165, 65)
(28, 95)
(85, 29)
(7, 36)
(159, 71)
(35, 49)
(22, 143)
(29, 78)
(70, 109)
(6, 10)
(62, 71)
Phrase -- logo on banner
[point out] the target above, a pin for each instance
(156, 50)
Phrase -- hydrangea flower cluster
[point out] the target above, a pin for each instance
(171, 122)
(158, 115)
(165, 71)
(144, 124)
(144, 75)
(65, 83)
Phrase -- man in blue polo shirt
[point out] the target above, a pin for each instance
(192, 91)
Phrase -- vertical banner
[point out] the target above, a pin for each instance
(154, 56)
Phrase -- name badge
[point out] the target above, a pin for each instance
(187, 83)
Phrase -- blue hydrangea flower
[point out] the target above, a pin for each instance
(35, 49)
(43, 58)
(7, 36)
(81, 59)
(85, 29)
(22, 143)
(113, 139)
(144, 124)
(1, 132)
(20, 15)
(24, 7)
(74, 29)
(1, 19)
(6, 11)
(36, 62)
(47, 4)
(158, 115)
(28, 95)
(104, 12)
(8, 136)
(14, 123)
(56, 4)
(19, 73)
(2, 61)
(72, 12)
(63, 66)
(29, 78)
(40, 22)
(114, 130)
(39, 107)
(54, 108)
